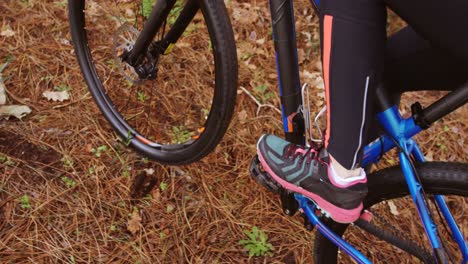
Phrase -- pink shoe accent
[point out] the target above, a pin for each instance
(340, 215)
(304, 151)
(339, 185)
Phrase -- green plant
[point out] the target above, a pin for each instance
(7, 60)
(62, 88)
(175, 12)
(6, 161)
(67, 161)
(163, 186)
(263, 93)
(126, 172)
(141, 96)
(25, 202)
(146, 7)
(62, 3)
(180, 134)
(99, 150)
(68, 182)
(128, 138)
(257, 244)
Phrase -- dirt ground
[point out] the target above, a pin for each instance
(62, 203)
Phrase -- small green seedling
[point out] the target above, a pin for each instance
(25, 202)
(68, 182)
(141, 96)
(67, 161)
(146, 7)
(180, 135)
(175, 12)
(128, 138)
(264, 94)
(257, 244)
(163, 186)
(62, 88)
(6, 161)
(98, 151)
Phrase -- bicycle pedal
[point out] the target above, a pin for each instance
(288, 202)
(322, 213)
(262, 177)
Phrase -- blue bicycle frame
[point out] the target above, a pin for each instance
(399, 131)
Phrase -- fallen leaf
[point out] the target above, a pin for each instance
(56, 96)
(301, 55)
(7, 31)
(244, 15)
(242, 115)
(149, 171)
(260, 41)
(133, 225)
(393, 208)
(3, 96)
(253, 36)
(429, 156)
(18, 111)
(170, 207)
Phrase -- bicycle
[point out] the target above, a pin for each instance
(139, 77)
(438, 178)
(139, 58)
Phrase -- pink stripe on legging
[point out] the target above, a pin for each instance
(327, 39)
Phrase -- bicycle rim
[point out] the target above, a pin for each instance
(170, 118)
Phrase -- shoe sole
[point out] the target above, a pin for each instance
(338, 214)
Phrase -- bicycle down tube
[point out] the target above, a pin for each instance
(284, 37)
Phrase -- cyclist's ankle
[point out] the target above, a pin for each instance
(342, 176)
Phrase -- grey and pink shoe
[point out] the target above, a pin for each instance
(306, 171)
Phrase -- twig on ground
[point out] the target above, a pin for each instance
(259, 104)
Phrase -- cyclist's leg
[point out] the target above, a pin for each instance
(353, 44)
(353, 41)
(413, 63)
(436, 60)
(443, 24)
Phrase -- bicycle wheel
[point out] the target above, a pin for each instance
(388, 191)
(181, 111)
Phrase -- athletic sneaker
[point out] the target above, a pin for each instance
(307, 171)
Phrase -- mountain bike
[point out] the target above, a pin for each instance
(427, 184)
(164, 77)
(132, 54)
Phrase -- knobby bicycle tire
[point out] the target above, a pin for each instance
(443, 178)
(216, 117)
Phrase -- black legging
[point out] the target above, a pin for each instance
(430, 54)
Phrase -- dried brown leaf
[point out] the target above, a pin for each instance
(134, 223)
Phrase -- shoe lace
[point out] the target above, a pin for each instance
(311, 154)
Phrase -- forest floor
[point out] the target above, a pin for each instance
(60, 202)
